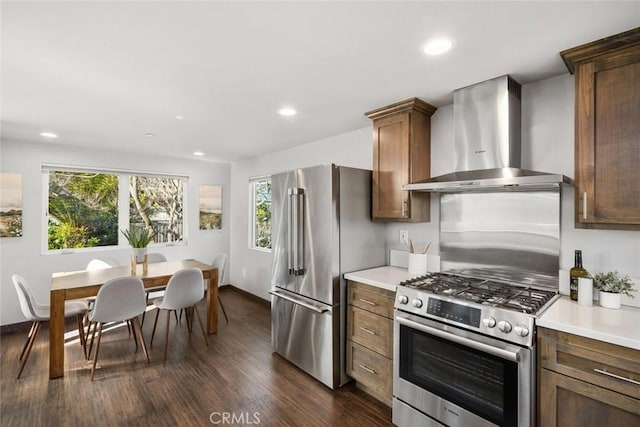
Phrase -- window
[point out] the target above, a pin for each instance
(88, 208)
(261, 213)
(83, 210)
(156, 204)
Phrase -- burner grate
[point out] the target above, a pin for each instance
(496, 294)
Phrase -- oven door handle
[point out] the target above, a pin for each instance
(486, 348)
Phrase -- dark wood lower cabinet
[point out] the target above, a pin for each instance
(370, 339)
(568, 402)
(585, 382)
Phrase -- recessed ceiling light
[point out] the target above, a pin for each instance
(149, 134)
(437, 46)
(179, 118)
(287, 111)
(49, 134)
(198, 153)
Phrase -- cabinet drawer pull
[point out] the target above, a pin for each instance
(368, 330)
(584, 205)
(366, 368)
(618, 377)
(366, 301)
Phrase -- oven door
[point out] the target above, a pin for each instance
(460, 378)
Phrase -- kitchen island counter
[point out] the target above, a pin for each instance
(603, 324)
(387, 277)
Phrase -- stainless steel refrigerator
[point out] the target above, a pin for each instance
(321, 228)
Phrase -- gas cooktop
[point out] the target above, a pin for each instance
(503, 310)
(482, 291)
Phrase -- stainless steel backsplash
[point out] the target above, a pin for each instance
(507, 236)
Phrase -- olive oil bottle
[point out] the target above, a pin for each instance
(574, 274)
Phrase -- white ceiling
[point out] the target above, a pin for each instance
(102, 74)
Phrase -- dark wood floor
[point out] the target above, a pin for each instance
(236, 374)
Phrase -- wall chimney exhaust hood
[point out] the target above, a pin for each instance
(487, 146)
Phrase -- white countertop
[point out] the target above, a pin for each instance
(621, 326)
(382, 277)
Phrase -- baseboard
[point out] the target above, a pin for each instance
(231, 288)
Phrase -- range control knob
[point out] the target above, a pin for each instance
(521, 330)
(417, 303)
(504, 326)
(489, 322)
(403, 299)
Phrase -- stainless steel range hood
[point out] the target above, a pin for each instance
(487, 145)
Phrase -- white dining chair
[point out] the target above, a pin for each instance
(153, 293)
(220, 262)
(93, 265)
(118, 300)
(184, 290)
(38, 313)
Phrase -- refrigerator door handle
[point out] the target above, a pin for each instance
(300, 270)
(295, 251)
(298, 302)
(290, 237)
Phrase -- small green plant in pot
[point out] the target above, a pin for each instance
(139, 238)
(610, 286)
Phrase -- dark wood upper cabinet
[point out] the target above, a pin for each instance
(607, 131)
(401, 154)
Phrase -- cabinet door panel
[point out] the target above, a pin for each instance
(617, 151)
(390, 157)
(567, 402)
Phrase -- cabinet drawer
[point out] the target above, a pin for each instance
(606, 365)
(370, 330)
(370, 298)
(370, 369)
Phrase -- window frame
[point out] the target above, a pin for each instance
(123, 206)
(252, 213)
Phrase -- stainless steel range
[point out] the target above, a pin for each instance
(464, 351)
(464, 343)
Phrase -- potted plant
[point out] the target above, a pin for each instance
(139, 238)
(610, 286)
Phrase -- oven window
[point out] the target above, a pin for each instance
(478, 382)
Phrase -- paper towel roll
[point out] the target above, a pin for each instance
(585, 291)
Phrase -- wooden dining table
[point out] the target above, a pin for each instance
(72, 285)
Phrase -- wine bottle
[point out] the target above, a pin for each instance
(576, 272)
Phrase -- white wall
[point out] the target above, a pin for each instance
(547, 146)
(23, 255)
